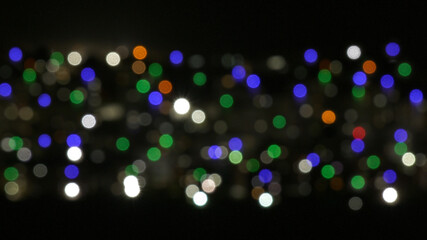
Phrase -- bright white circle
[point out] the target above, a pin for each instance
(408, 159)
(88, 121)
(198, 116)
(74, 58)
(131, 184)
(190, 190)
(113, 59)
(74, 154)
(181, 106)
(353, 52)
(305, 166)
(390, 195)
(24, 154)
(208, 185)
(72, 190)
(265, 200)
(200, 199)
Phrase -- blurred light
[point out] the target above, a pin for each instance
(404, 69)
(131, 185)
(400, 148)
(328, 117)
(15, 54)
(373, 162)
(196, 61)
(200, 199)
(357, 182)
(310, 55)
(24, 154)
(74, 140)
(181, 106)
(300, 90)
(71, 171)
(40, 170)
(314, 159)
(389, 176)
(155, 98)
(11, 174)
(274, 151)
(359, 133)
(44, 140)
(357, 145)
(113, 59)
(11, 188)
(122, 144)
(238, 72)
(235, 157)
(87, 74)
(265, 200)
(353, 52)
(369, 67)
(5, 89)
(390, 195)
(165, 86)
(74, 154)
(324, 76)
(198, 116)
(208, 185)
(176, 57)
(190, 190)
(265, 176)
(199, 79)
(253, 81)
(138, 67)
(235, 144)
(400, 135)
(355, 203)
(29, 75)
(166, 141)
(276, 63)
(88, 121)
(143, 86)
(358, 91)
(392, 49)
(305, 166)
(387, 81)
(74, 58)
(416, 96)
(139, 52)
(408, 159)
(279, 121)
(214, 152)
(199, 174)
(44, 100)
(226, 101)
(359, 78)
(155, 69)
(72, 190)
(328, 171)
(77, 97)
(154, 154)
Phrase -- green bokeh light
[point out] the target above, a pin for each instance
(226, 101)
(122, 144)
(400, 148)
(58, 57)
(155, 69)
(16, 143)
(198, 173)
(404, 69)
(279, 121)
(358, 91)
(29, 75)
(11, 174)
(235, 157)
(274, 151)
(143, 86)
(77, 97)
(252, 165)
(328, 171)
(154, 154)
(131, 170)
(324, 76)
(373, 162)
(199, 79)
(357, 182)
(166, 141)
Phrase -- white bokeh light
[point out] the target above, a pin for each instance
(208, 185)
(24, 154)
(390, 195)
(408, 159)
(132, 188)
(190, 190)
(88, 121)
(265, 200)
(200, 199)
(74, 58)
(74, 154)
(113, 59)
(354, 52)
(198, 116)
(72, 190)
(305, 166)
(181, 106)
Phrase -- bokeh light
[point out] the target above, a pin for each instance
(400, 135)
(88, 121)
(354, 52)
(416, 96)
(44, 140)
(238, 72)
(5, 89)
(15, 54)
(113, 59)
(389, 176)
(139, 52)
(155, 98)
(359, 133)
(265, 175)
(310, 56)
(253, 81)
(87, 74)
(71, 171)
(181, 106)
(74, 58)
(392, 49)
(390, 195)
(72, 190)
(387, 81)
(74, 140)
(314, 158)
(176, 57)
(300, 90)
(235, 143)
(165, 86)
(404, 69)
(265, 200)
(357, 145)
(359, 78)
(328, 117)
(200, 199)
(369, 67)
(44, 100)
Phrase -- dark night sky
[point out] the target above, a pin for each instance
(255, 29)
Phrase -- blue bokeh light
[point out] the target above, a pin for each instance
(253, 81)
(387, 81)
(389, 176)
(357, 145)
(155, 98)
(215, 152)
(359, 78)
(235, 144)
(238, 72)
(416, 96)
(176, 57)
(314, 159)
(71, 171)
(87, 74)
(44, 100)
(400, 135)
(5, 89)
(265, 176)
(392, 49)
(300, 90)
(310, 55)
(44, 140)
(15, 54)
(74, 140)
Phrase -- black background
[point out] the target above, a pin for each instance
(255, 29)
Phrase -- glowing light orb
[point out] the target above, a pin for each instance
(181, 106)
(200, 199)
(72, 190)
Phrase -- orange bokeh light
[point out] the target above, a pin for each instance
(369, 67)
(328, 117)
(138, 67)
(140, 52)
(165, 86)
